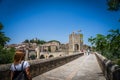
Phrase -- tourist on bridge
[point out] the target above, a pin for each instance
(19, 66)
(88, 51)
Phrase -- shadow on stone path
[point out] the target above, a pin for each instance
(83, 68)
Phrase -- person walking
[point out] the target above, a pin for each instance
(20, 65)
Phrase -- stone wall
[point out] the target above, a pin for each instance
(75, 39)
(39, 66)
(110, 70)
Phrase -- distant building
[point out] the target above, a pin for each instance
(50, 46)
(33, 50)
(75, 42)
(64, 47)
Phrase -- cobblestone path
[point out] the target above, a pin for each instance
(82, 68)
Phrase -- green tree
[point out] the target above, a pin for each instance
(54, 41)
(6, 55)
(113, 5)
(41, 42)
(92, 40)
(114, 42)
(108, 45)
(3, 38)
(100, 42)
(32, 41)
(26, 41)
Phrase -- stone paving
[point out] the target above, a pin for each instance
(83, 68)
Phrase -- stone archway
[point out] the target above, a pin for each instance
(42, 57)
(75, 42)
(76, 48)
(51, 56)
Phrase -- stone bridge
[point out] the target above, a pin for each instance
(44, 55)
(70, 67)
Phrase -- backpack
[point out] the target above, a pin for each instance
(20, 75)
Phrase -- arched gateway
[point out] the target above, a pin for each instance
(75, 42)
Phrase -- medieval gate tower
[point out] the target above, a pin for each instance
(75, 42)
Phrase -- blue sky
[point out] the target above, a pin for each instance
(56, 19)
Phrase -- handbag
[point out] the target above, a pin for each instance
(20, 75)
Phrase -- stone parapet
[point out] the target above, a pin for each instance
(111, 71)
(39, 66)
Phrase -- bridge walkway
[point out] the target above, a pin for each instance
(82, 68)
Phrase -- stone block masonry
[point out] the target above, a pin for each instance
(111, 71)
(39, 66)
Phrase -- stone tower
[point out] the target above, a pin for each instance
(75, 42)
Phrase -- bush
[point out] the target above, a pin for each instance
(6, 56)
(117, 61)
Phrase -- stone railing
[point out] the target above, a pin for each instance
(39, 66)
(110, 70)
